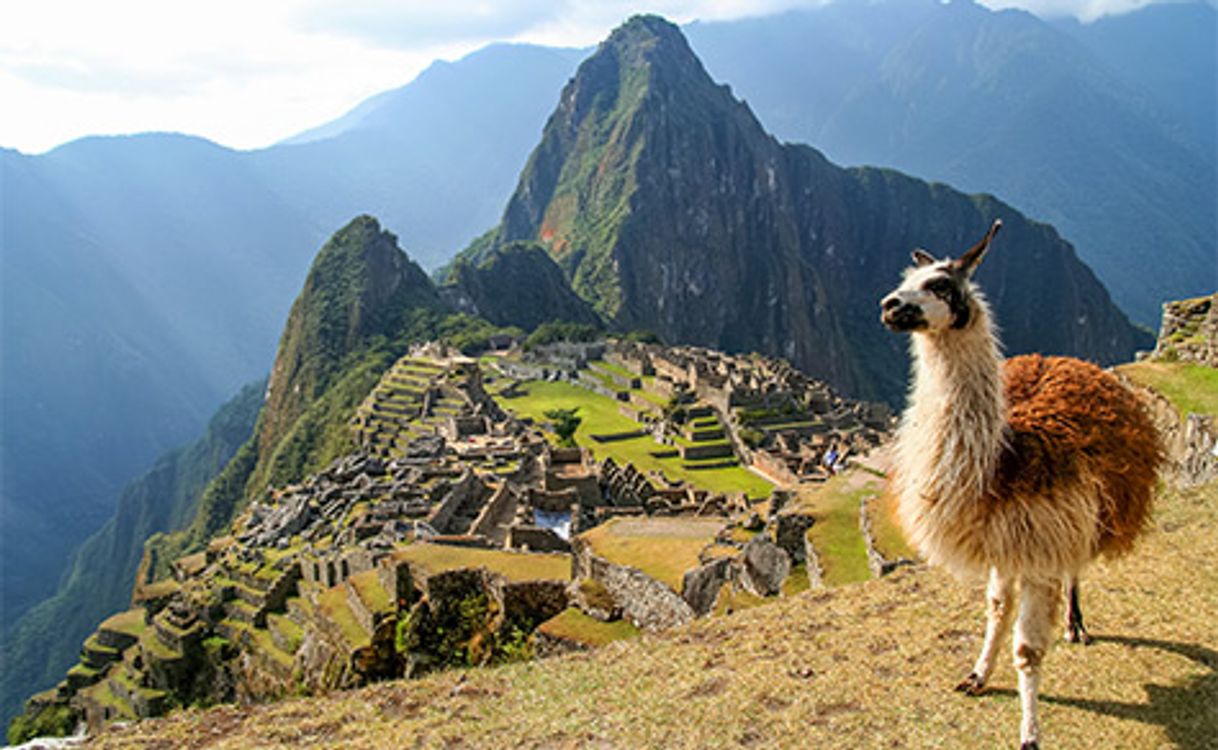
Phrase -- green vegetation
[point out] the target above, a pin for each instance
(809, 665)
(471, 335)
(368, 585)
(836, 535)
(333, 605)
(595, 594)
(1190, 387)
(130, 622)
(516, 283)
(448, 634)
(560, 330)
(601, 416)
(573, 625)
(38, 648)
(56, 721)
(564, 423)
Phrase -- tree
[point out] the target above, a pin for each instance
(565, 422)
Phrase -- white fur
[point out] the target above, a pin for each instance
(947, 449)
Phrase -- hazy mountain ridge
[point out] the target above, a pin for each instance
(44, 642)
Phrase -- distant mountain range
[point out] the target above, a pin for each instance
(146, 277)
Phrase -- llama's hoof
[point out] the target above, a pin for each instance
(971, 685)
(1078, 635)
(1030, 745)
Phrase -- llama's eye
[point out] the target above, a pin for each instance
(938, 287)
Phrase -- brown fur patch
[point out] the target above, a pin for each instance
(1027, 657)
(1066, 417)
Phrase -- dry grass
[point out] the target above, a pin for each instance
(573, 625)
(865, 666)
(333, 605)
(663, 548)
(515, 566)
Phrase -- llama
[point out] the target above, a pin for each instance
(1024, 470)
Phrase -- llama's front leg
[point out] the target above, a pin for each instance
(1038, 602)
(1076, 632)
(999, 598)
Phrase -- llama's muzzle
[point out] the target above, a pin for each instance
(901, 316)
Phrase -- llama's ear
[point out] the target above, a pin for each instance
(922, 258)
(972, 258)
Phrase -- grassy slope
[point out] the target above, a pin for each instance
(864, 666)
(1192, 388)
(601, 416)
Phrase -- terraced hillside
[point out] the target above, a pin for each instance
(867, 666)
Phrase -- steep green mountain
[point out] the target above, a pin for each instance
(46, 640)
(671, 209)
(1005, 103)
(515, 285)
(362, 304)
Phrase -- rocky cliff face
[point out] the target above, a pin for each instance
(670, 208)
(518, 284)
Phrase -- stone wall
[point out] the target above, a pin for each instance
(536, 539)
(499, 511)
(647, 603)
(1189, 331)
(1190, 443)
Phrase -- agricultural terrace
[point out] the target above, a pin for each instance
(515, 566)
(836, 535)
(600, 416)
(664, 548)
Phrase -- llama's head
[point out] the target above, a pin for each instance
(936, 295)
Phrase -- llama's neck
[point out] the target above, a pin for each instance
(953, 430)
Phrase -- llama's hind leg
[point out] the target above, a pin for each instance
(1038, 607)
(999, 598)
(1076, 632)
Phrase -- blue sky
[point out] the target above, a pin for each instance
(250, 72)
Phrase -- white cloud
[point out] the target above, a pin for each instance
(248, 72)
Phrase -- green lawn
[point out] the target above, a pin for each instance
(130, 622)
(615, 369)
(835, 535)
(601, 416)
(1190, 388)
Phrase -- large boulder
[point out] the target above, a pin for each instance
(766, 566)
(701, 586)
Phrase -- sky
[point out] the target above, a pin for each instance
(248, 73)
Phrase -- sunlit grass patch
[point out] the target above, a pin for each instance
(573, 625)
(515, 566)
(663, 548)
